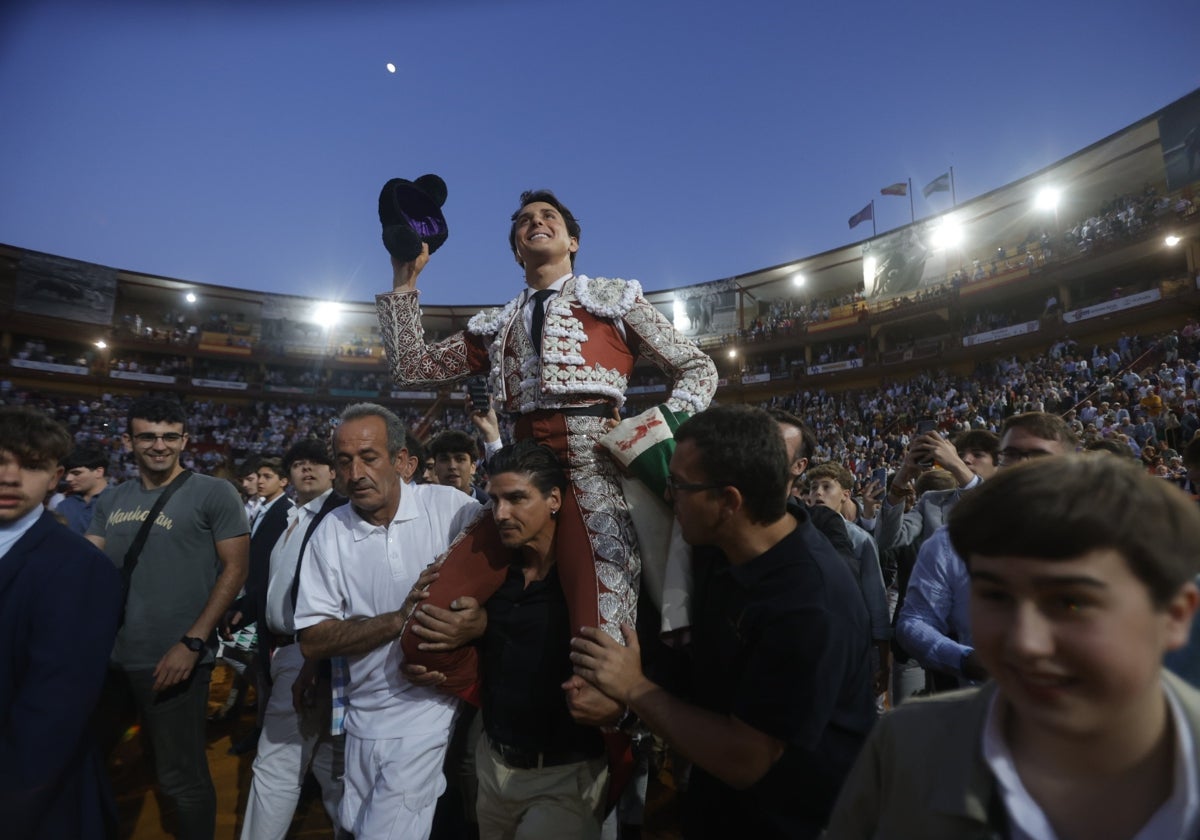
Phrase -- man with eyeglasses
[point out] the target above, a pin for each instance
(187, 574)
(779, 698)
(934, 625)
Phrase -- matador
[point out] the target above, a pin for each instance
(559, 357)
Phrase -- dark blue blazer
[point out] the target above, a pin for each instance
(253, 604)
(60, 600)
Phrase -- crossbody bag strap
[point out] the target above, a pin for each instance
(143, 534)
(336, 500)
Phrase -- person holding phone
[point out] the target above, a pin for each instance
(971, 459)
(934, 625)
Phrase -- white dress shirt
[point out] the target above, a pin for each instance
(1177, 817)
(527, 304)
(284, 557)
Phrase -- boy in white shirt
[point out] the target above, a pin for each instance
(1082, 577)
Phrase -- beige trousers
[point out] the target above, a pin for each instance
(565, 802)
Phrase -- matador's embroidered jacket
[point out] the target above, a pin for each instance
(594, 331)
(584, 355)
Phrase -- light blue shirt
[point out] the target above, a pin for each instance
(77, 512)
(9, 534)
(936, 607)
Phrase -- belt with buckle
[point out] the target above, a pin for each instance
(600, 409)
(603, 410)
(530, 760)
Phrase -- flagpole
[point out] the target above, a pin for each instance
(912, 213)
(873, 233)
(953, 197)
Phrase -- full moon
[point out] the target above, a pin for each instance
(391, 68)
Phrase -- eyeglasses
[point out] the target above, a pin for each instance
(148, 438)
(674, 487)
(1016, 456)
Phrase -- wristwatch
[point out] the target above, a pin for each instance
(193, 644)
(629, 722)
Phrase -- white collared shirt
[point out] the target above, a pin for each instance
(357, 570)
(284, 557)
(262, 511)
(1176, 818)
(9, 534)
(527, 301)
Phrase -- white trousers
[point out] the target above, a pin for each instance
(289, 745)
(392, 785)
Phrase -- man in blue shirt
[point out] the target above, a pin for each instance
(87, 477)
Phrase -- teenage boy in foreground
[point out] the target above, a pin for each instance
(1082, 572)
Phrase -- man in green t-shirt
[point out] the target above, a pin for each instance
(188, 572)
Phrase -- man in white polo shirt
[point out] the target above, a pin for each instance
(358, 585)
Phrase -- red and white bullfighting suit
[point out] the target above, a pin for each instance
(594, 331)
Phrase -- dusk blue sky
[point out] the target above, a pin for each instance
(694, 140)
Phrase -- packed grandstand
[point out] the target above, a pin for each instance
(1076, 284)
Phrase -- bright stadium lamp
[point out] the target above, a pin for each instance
(326, 313)
(733, 354)
(1047, 198)
(870, 264)
(101, 344)
(948, 234)
(190, 297)
(678, 313)
(798, 280)
(1172, 240)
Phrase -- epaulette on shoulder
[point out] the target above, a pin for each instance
(607, 297)
(488, 321)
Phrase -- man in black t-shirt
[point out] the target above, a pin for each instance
(540, 773)
(780, 698)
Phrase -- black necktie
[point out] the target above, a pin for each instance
(539, 318)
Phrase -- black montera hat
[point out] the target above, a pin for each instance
(411, 213)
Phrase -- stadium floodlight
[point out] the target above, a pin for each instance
(733, 354)
(327, 313)
(101, 344)
(870, 264)
(948, 234)
(1047, 198)
(798, 280)
(679, 313)
(190, 297)
(1172, 240)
